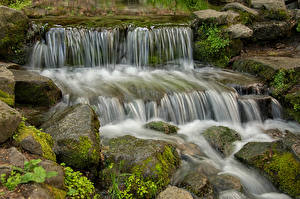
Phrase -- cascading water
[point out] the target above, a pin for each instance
(136, 46)
(126, 94)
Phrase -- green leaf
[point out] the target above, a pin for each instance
(51, 174)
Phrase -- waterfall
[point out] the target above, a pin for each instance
(106, 48)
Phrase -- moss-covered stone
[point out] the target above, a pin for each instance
(221, 138)
(44, 139)
(162, 127)
(7, 98)
(276, 162)
(56, 193)
(292, 101)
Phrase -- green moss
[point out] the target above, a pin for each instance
(44, 139)
(162, 127)
(283, 80)
(280, 15)
(292, 102)
(285, 170)
(57, 193)
(7, 98)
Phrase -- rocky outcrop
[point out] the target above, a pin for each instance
(235, 6)
(75, 131)
(172, 192)
(221, 138)
(9, 121)
(239, 31)
(276, 162)
(7, 86)
(13, 27)
(270, 30)
(271, 5)
(162, 127)
(215, 17)
(35, 90)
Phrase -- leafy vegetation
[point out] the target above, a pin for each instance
(78, 185)
(16, 4)
(212, 45)
(32, 172)
(283, 80)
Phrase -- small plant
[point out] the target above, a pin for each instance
(32, 172)
(283, 80)
(78, 185)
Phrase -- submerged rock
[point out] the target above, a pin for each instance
(172, 192)
(9, 121)
(7, 86)
(221, 138)
(276, 162)
(35, 90)
(225, 182)
(13, 27)
(75, 131)
(162, 127)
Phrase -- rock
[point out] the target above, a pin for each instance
(56, 181)
(270, 30)
(292, 141)
(221, 138)
(9, 121)
(7, 86)
(154, 159)
(225, 182)
(10, 65)
(232, 194)
(276, 162)
(35, 90)
(216, 17)
(75, 131)
(197, 183)
(13, 27)
(235, 6)
(29, 144)
(172, 192)
(162, 127)
(39, 192)
(239, 31)
(271, 5)
(40, 143)
(266, 67)
(13, 157)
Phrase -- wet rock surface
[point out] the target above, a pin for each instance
(162, 127)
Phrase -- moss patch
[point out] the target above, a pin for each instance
(162, 127)
(7, 98)
(44, 139)
(56, 193)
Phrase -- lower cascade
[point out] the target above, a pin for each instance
(111, 71)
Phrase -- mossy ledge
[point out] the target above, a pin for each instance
(44, 139)
(7, 98)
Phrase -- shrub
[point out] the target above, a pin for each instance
(31, 173)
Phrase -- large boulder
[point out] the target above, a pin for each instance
(35, 90)
(221, 138)
(270, 30)
(239, 31)
(162, 127)
(235, 6)
(7, 86)
(215, 17)
(271, 5)
(13, 27)
(9, 121)
(276, 162)
(75, 131)
(172, 192)
(151, 160)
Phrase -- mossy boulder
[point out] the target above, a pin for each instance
(271, 30)
(276, 162)
(7, 86)
(162, 127)
(152, 161)
(35, 90)
(75, 131)
(13, 27)
(221, 138)
(35, 141)
(9, 121)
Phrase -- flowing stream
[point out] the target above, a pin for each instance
(111, 70)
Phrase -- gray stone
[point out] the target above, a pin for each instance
(35, 90)
(172, 192)
(225, 182)
(38, 192)
(13, 157)
(32, 146)
(213, 16)
(240, 7)
(239, 31)
(75, 131)
(271, 30)
(56, 181)
(221, 138)
(7, 85)
(9, 121)
(272, 5)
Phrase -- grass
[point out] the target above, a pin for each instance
(17, 4)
